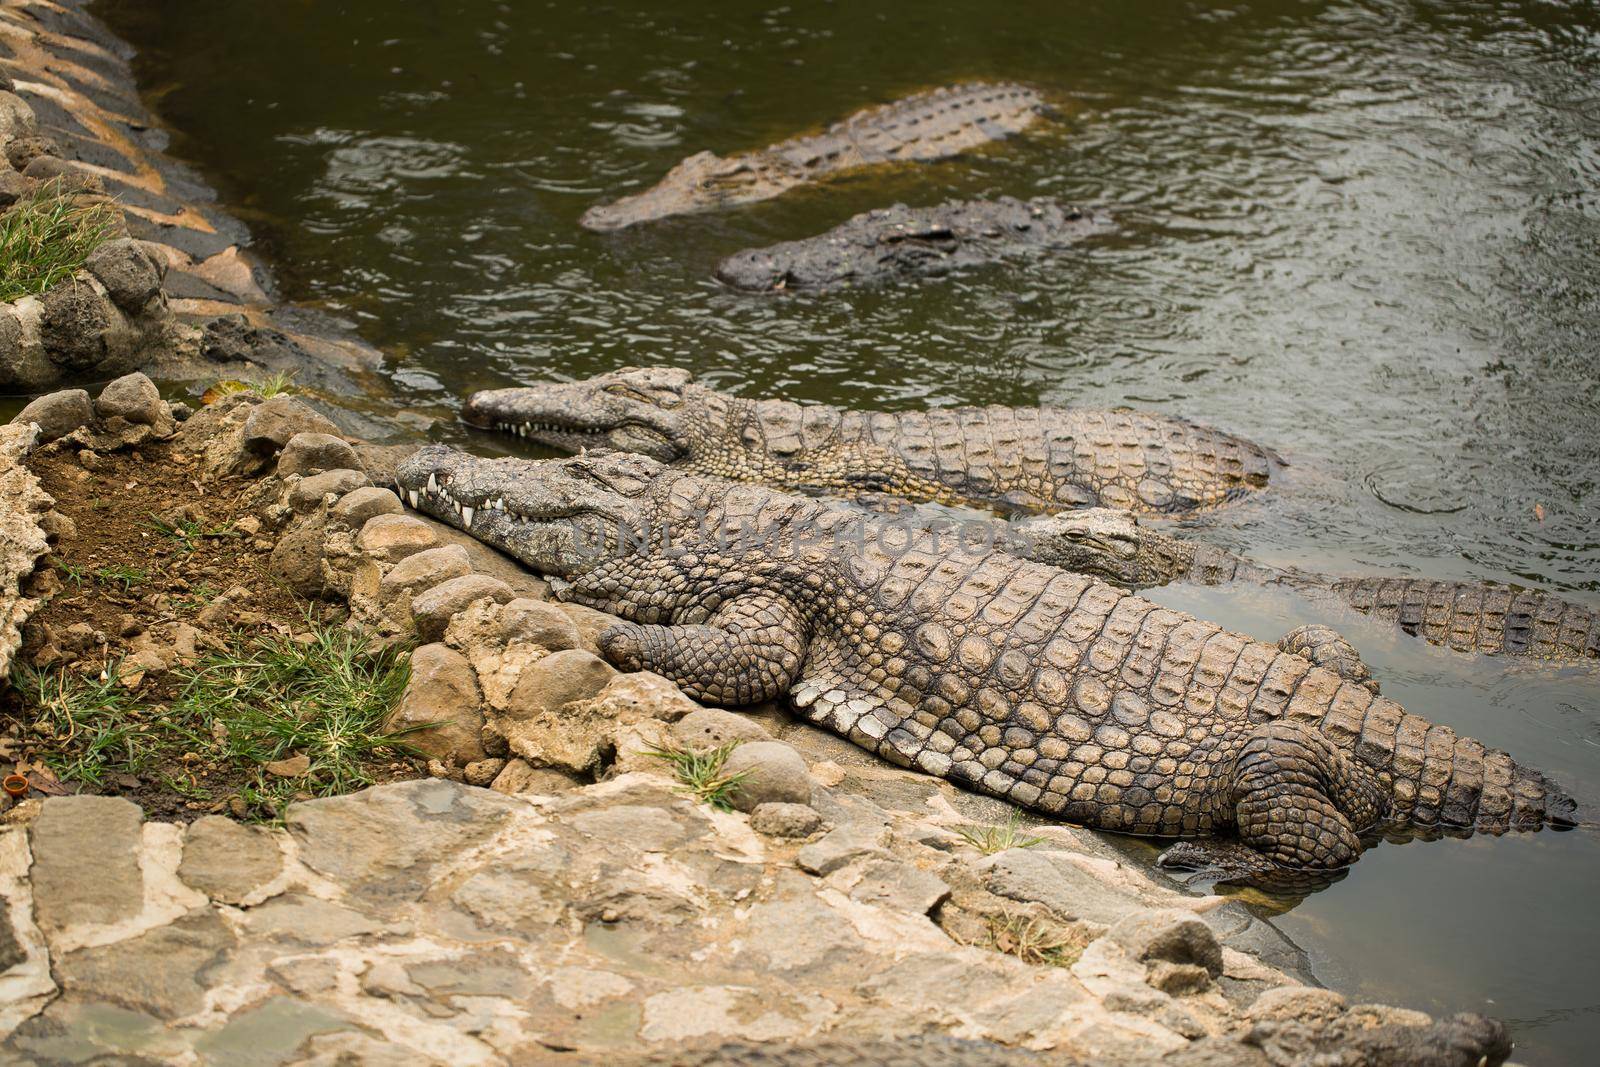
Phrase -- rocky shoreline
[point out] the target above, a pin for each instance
(560, 863)
(179, 295)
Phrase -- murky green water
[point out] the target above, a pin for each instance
(1367, 234)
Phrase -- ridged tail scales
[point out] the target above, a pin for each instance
(1470, 617)
(926, 126)
(1044, 459)
(1437, 778)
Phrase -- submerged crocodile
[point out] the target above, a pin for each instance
(896, 241)
(1465, 616)
(926, 126)
(1012, 460)
(1048, 688)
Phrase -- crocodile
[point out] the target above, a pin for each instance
(1465, 616)
(1047, 688)
(1010, 460)
(926, 126)
(898, 241)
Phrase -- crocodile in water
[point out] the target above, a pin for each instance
(1012, 460)
(926, 126)
(1465, 616)
(1045, 687)
(899, 241)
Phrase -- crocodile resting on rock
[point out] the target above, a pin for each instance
(1044, 687)
(1465, 616)
(926, 126)
(897, 241)
(1013, 460)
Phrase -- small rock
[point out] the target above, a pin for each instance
(432, 609)
(359, 505)
(1169, 935)
(298, 555)
(78, 325)
(133, 397)
(423, 570)
(226, 861)
(310, 491)
(308, 453)
(1296, 1003)
(707, 728)
(1178, 979)
(773, 773)
(130, 276)
(58, 414)
(900, 886)
(482, 772)
(785, 820)
(538, 623)
(292, 767)
(838, 848)
(559, 679)
(391, 538)
(643, 695)
(520, 776)
(442, 697)
(272, 422)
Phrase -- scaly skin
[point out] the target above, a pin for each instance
(1012, 460)
(900, 241)
(927, 126)
(1048, 688)
(1464, 616)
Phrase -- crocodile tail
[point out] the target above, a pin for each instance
(1441, 779)
(1477, 617)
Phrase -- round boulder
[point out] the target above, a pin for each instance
(132, 279)
(771, 773)
(785, 820)
(368, 502)
(133, 397)
(311, 452)
(58, 414)
(432, 609)
(391, 538)
(707, 728)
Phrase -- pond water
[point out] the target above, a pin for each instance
(1367, 234)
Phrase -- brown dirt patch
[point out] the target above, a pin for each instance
(158, 561)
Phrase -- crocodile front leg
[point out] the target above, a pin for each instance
(1297, 804)
(747, 653)
(1327, 647)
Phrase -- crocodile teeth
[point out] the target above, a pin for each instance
(412, 494)
(433, 484)
(466, 515)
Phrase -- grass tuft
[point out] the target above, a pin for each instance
(991, 839)
(258, 700)
(700, 773)
(1034, 940)
(325, 698)
(45, 238)
(279, 384)
(124, 575)
(188, 532)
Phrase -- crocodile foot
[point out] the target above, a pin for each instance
(1235, 863)
(1327, 647)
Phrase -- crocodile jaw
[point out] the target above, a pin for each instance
(625, 410)
(559, 517)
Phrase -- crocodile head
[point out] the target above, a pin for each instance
(634, 410)
(703, 182)
(1109, 544)
(558, 516)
